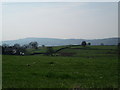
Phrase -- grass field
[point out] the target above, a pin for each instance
(91, 67)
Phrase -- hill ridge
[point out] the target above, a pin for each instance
(57, 41)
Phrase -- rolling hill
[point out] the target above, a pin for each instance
(57, 42)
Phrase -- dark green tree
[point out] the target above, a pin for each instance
(83, 43)
(43, 46)
(33, 45)
(16, 45)
(89, 44)
(50, 51)
(102, 44)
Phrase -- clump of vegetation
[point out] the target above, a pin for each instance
(50, 51)
(16, 49)
(83, 43)
(33, 45)
(89, 43)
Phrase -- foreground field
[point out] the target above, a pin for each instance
(88, 68)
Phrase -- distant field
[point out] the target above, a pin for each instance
(89, 67)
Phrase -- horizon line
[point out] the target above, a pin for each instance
(61, 38)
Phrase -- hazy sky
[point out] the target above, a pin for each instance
(60, 20)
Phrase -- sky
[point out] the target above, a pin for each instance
(66, 20)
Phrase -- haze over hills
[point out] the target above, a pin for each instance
(57, 42)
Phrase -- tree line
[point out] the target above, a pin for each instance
(18, 49)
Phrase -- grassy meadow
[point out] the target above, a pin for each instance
(86, 67)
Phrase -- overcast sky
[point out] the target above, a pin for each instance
(60, 20)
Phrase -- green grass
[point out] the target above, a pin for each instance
(42, 49)
(92, 51)
(99, 70)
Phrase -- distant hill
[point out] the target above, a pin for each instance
(56, 42)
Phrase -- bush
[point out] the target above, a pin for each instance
(50, 51)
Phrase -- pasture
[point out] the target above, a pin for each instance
(86, 67)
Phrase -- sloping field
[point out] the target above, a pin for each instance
(93, 67)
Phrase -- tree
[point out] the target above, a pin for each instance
(33, 45)
(5, 45)
(0, 50)
(22, 50)
(43, 46)
(102, 44)
(118, 44)
(89, 44)
(50, 51)
(25, 46)
(3, 50)
(16, 46)
(83, 43)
